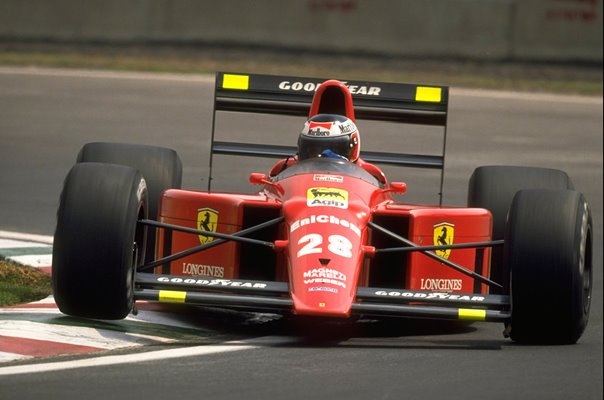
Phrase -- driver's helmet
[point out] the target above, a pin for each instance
(329, 135)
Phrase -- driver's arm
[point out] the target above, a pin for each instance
(282, 165)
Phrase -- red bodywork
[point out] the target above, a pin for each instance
(324, 248)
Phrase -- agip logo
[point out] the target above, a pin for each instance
(207, 220)
(326, 197)
(443, 236)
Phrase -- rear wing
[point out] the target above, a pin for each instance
(286, 95)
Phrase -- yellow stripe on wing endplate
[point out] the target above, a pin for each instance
(428, 94)
(471, 314)
(171, 296)
(237, 82)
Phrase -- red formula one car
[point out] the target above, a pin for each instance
(324, 237)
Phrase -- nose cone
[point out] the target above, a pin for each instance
(324, 291)
(325, 257)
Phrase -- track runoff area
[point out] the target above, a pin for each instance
(38, 330)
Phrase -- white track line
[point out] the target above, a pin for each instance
(158, 355)
(125, 359)
(76, 335)
(36, 261)
(13, 357)
(26, 236)
(26, 243)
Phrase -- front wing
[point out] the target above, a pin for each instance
(271, 296)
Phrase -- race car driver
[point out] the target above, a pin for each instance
(329, 135)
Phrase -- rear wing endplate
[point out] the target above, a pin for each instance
(286, 95)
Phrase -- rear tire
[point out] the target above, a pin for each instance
(97, 239)
(161, 168)
(494, 187)
(549, 252)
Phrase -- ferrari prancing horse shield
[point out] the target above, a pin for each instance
(207, 220)
(443, 236)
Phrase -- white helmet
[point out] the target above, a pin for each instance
(329, 134)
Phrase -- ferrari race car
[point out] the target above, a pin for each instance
(323, 237)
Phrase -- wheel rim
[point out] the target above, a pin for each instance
(586, 273)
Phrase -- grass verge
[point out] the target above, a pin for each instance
(21, 284)
(582, 79)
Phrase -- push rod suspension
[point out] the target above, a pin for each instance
(448, 263)
(442, 247)
(222, 238)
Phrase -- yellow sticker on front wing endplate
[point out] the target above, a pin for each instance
(172, 296)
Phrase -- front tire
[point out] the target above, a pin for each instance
(161, 167)
(549, 252)
(98, 241)
(494, 187)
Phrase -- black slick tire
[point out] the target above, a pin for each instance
(494, 187)
(549, 252)
(161, 167)
(97, 240)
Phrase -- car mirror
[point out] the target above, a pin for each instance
(398, 187)
(257, 178)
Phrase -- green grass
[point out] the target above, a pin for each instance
(21, 284)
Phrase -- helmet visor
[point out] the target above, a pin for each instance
(311, 146)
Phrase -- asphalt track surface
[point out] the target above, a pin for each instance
(47, 115)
